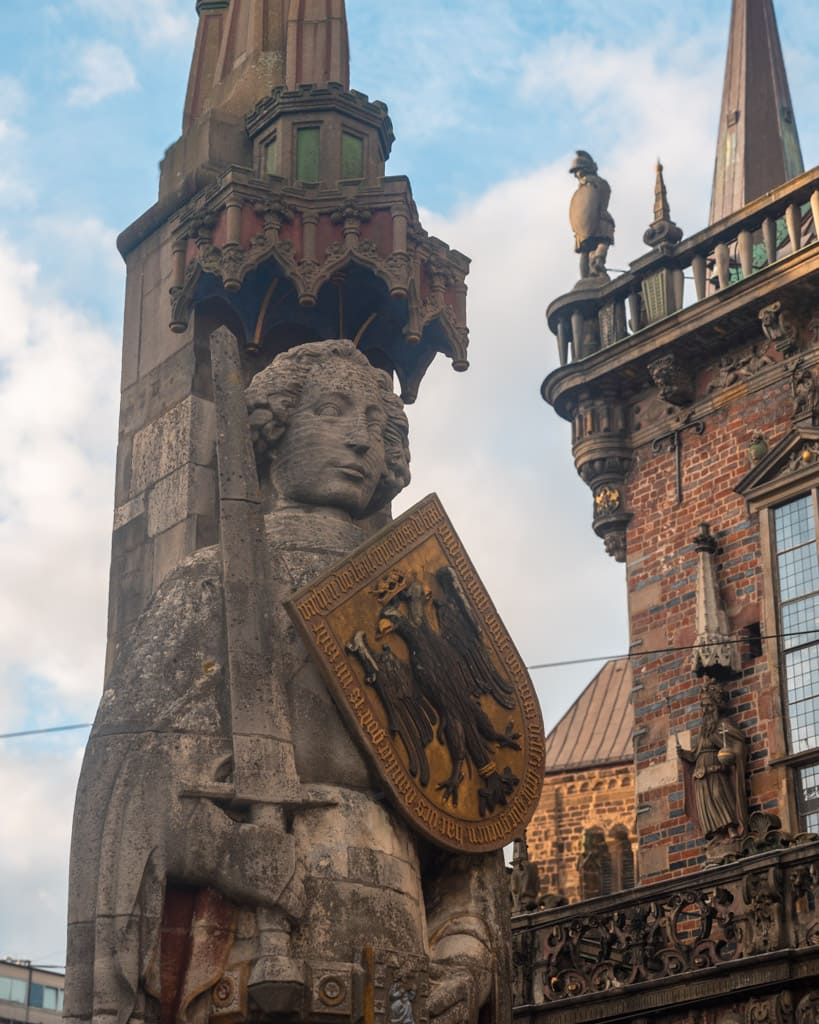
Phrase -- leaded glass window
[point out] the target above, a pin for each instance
(797, 575)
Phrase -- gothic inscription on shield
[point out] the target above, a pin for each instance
(429, 681)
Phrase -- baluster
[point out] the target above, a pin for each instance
(563, 339)
(814, 209)
(793, 218)
(634, 312)
(578, 328)
(723, 261)
(620, 326)
(698, 267)
(678, 288)
(769, 236)
(746, 252)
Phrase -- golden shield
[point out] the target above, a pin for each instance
(429, 681)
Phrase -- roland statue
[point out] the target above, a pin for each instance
(190, 902)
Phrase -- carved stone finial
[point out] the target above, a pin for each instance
(672, 380)
(662, 230)
(591, 222)
(757, 448)
(715, 656)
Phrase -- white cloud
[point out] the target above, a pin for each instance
(58, 394)
(14, 187)
(153, 22)
(103, 70)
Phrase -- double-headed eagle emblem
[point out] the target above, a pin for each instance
(429, 681)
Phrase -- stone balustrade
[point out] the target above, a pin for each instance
(719, 931)
(764, 232)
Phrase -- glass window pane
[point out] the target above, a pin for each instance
(49, 998)
(804, 721)
(13, 990)
(794, 523)
(809, 797)
(799, 620)
(270, 165)
(802, 672)
(352, 156)
(60, 995)
(307, 154)
(36, 994)
(798, 571)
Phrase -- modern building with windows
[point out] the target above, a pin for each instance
(29, 994)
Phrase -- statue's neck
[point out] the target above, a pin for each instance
(310, 527)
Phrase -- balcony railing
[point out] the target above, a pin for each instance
(764, 232)
(669, 931)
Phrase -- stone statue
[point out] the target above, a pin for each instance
(524, 882)
(589, 216)
(192, 902)
(715, 780)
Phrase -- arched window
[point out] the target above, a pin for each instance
(594, 865)
(622, 859)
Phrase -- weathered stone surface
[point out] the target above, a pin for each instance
(186, 433)
(191, 489)
(297, 885)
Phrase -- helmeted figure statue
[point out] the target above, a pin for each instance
(190, 902)
(715, 776)
(589, 216)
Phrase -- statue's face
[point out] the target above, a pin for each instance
(332, 450)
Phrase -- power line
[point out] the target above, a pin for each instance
(39, 732)
(752, 638)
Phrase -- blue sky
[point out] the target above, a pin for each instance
(488, 101)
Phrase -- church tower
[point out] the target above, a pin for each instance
(276, 219)
(690, 382)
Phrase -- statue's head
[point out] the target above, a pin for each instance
(582, 164)
(327, 429)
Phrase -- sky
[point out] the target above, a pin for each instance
(489, 100)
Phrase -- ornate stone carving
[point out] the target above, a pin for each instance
(524, 881)
(716, 654)
(591, 222)
(807, 1011)
(603, 457)
(714, 772)
(779, 326)
(803, 388)
(776, 1009)
(662, 230)
(742, 366)
(672, 380)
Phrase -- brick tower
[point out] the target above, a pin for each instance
(274, 218)
(690, 382)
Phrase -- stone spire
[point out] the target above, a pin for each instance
(758, 145)
(246, 48)
(662, 229)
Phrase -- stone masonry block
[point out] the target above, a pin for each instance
(190, 490)
(157, 341)
(186, 433)
(171, 547)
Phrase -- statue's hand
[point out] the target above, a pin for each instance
(453, 995)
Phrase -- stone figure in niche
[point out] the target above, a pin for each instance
(524, 882)
(184, 902)
(715, 770)
(589, 216)
(803, 387)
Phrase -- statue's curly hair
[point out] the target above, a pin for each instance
(275, 391)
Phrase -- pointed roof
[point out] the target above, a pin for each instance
(758, 145)
(246, 48)
(597, 728)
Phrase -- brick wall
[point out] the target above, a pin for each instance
(662, 574)
(571, 803)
